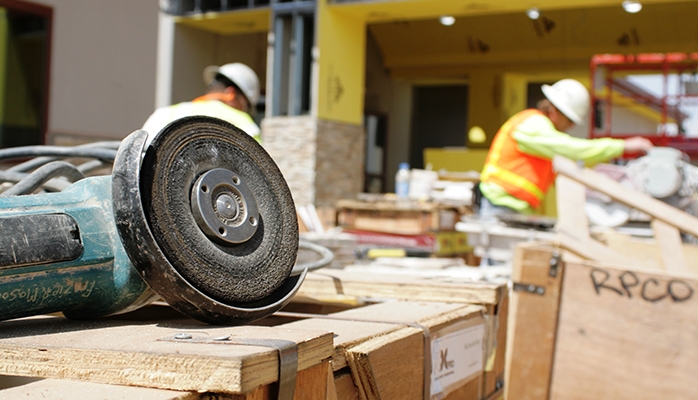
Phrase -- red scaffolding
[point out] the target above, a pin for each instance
(673, 101)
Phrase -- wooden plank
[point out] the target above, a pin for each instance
(59, 389)
(625, 334)
(389, 215)
(573, 226)
(373, 362)
(571, 219)
(384, 349)
(110, 352)
(650, 206)
(532, 324)
(390, 286)
(495, 367)
(647, 249)
(669, 240)
(591, 249)
(344, 385)
(313, 384)
(389, 366)
(403, 286)
(346, 334)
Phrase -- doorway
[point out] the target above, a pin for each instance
(25, 51)
(439, 119)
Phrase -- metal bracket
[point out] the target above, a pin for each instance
(529, 288)
(288, 356)
(554, 262)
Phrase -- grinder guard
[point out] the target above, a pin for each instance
(137, 211)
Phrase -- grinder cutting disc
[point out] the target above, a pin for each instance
(214, 231)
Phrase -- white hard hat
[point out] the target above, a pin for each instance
(570, 97)
(241, 75)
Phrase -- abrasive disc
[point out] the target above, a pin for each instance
(260, 256)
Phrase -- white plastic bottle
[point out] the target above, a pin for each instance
(402, 180)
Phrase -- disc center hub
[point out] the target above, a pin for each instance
(224, 207)
(227, 206)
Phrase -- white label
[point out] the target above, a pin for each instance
(456, 357)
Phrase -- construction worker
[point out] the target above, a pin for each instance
(518, 169)
(233, 92)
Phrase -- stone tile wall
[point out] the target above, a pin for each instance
(322, 161)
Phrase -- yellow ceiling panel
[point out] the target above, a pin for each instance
(392, 10)
(562, 35)
(230, 22)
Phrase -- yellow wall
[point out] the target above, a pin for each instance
(455, 159)
(341, 41)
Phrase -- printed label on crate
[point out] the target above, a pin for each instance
(456, 357)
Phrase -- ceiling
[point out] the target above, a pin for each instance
(392, 10)
(558, 34)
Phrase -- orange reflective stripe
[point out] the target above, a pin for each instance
(224, 97)
(516, 180)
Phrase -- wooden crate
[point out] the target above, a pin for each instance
(605, 318)
(598, 331)
(353, 338)
(403, 218)
(492, 296)
(442, 244)
(183, 355)
(400, 349)
(360, 350)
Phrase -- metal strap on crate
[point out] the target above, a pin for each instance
(424, 329)
(287, 350)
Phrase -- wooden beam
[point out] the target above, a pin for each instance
(144, 355)
(383, 346)
(648, 205)
(669, 240)
(532, 324)
(402, 287)
(571, 217)
(61, 389)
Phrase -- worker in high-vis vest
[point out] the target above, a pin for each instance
(518, 169)
(233, 93)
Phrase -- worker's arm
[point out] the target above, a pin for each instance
(537, 136)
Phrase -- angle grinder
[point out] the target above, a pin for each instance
(201, 217)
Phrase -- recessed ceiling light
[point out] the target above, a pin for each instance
(632, 6)
(447, 20)
(533, 13)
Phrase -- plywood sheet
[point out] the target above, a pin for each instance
(135, 354)
(392, 286)
(626, 334)
(532, 324)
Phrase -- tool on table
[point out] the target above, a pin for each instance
(201, 217)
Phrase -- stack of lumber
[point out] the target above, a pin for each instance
(183, 356)
(493, 297)
(391, 222)
(404, 338)
(400, 349)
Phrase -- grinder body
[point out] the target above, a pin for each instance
(61, 252)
